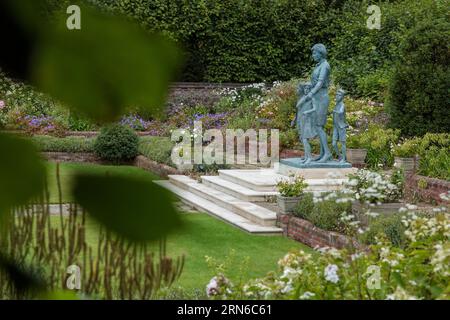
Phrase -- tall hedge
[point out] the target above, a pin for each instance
(419, 92)
(239, 40)
(363, 58)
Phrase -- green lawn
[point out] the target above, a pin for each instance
(68, 170)
(200, 236)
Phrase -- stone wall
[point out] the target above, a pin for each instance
(160, 169)
(426, 188)
(305, 232)
(71, 157)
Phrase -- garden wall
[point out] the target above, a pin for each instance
(160, 169)
(71, 157)
(426, 188)
(305, 232)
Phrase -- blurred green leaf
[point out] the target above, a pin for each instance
(59, 295)
(107, 66)
(23, 280)
(22, 173)
(137, 209)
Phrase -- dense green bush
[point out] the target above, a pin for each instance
(67, 144)
(305, 206)
(363, 58)
(379, 143)
(418, 93)
(116, 143)
(157, 149)
(434, 153)
(244, 41)
(326, 213)
(388, 226)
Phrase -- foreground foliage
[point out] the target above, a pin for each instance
(419, 270)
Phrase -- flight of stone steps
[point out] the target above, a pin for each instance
(233, 196)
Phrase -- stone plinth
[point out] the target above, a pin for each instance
(328, 170)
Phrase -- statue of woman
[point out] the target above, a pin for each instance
(320, 80)
(306, 121)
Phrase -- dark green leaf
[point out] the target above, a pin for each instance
(107, 66)
(134, 208)
(23, 280)
(22, 173)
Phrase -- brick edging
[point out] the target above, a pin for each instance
(307, 233)
(72, 157)
(430, 192)
(161, 169)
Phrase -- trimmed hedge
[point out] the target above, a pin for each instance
(67, 144)
(155, 148)
(238, 40)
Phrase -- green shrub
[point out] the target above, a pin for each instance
(289, 139)
(407, 149)
(418, 91)
(116, 143)
(379, 143)
(67, 144)
(294, 187)
(363, 58)
(305, 206)
(327, 215)
(354, 142)
(434, 153)
(158, 149)
(209, 169)
(436, 163)
(388, 226)
(79, 123)
(324, 212)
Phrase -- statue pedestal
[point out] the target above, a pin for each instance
(329, 170)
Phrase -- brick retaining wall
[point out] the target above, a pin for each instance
(161, 169)
(305, 232)
(71, 157)
(429, 191)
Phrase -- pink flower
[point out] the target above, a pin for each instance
(2, 104)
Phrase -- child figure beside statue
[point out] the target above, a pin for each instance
(306, 121)
(340, 126)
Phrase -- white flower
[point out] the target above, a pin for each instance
(356, 256)
(372, 214)
(330, 273)
(411, 207)
(290, 273)
(212, 287)
(307, 295)
(400, 294)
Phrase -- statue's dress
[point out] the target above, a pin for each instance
(320, 99)
(306, 122)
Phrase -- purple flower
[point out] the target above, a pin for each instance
(2, 104)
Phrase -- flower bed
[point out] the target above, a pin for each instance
(419, 270)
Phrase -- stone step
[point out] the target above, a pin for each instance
(265, 181)
(248, 210)
(217, 211)
(236, 190)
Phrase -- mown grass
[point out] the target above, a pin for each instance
(200, 235)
